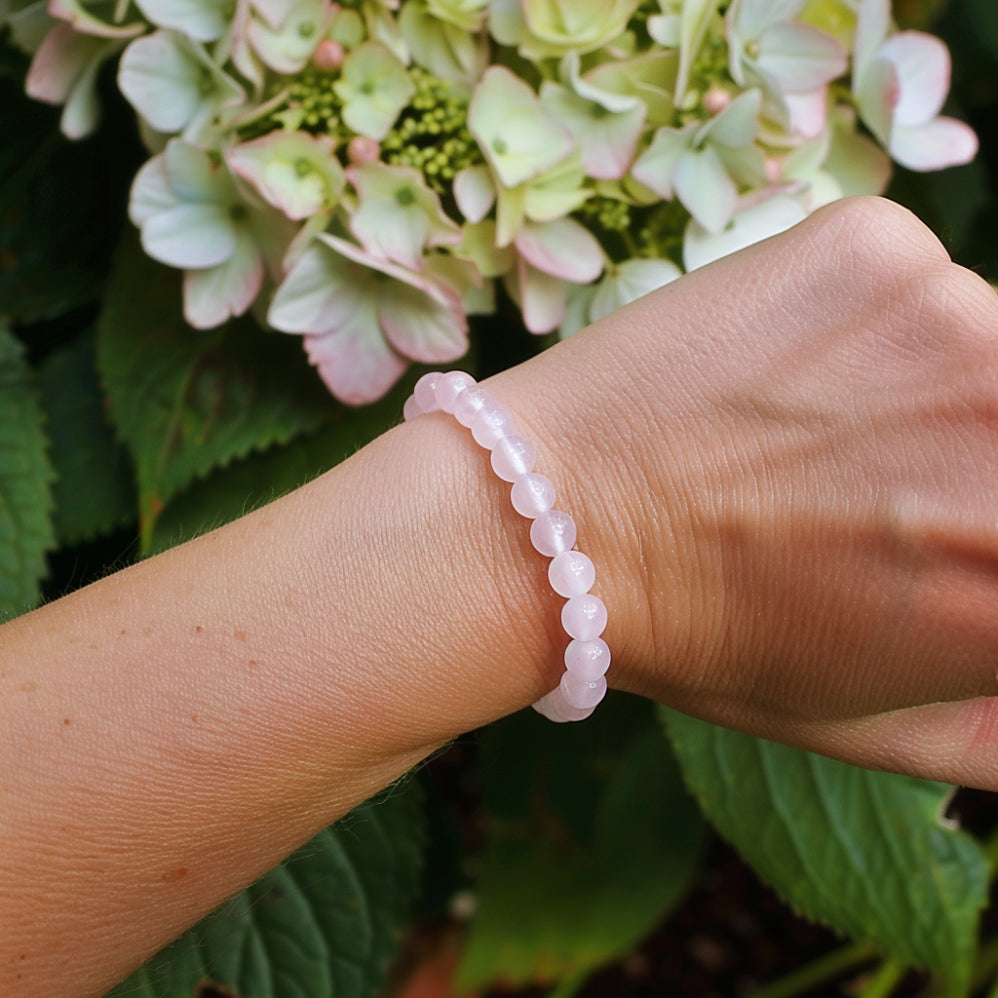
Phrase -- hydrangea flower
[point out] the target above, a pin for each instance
(295, 172)
(900, 84)
(192, 216)
(174, 84)
(383, 165)
(365, 318)
(696, 162)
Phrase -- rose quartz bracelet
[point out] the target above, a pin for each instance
(552, 533)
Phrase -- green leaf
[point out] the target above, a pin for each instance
(94, 487)
(593, 840)
(25, 477)
(188, 401)
(324, 924)
(864, 852)
(249, 483)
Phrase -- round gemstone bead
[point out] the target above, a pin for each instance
(411, 409)
(555, 707)
(490, 424)
(532, 495)
(553, 532)
(571, 573)
(584, 617)
(449, 386)
(580, 692)
(588, 659)
(425, 391)
(469, 402)
(512, 458)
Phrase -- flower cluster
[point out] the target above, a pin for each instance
(365, 173)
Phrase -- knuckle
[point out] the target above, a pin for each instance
(874, 235)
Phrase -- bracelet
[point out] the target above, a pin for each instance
(552, 533)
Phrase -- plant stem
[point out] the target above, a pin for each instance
(884, 980)
(568, 987)
(825, 968)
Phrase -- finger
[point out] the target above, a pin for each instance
(951, 742)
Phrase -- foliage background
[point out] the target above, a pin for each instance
(122, 432)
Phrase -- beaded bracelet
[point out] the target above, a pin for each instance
(552, 533)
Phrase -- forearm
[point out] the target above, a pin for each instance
(175, 730)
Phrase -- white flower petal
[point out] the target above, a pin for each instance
(474, 192)
(751, 18)
(160, 76)
(216, 294)
(877, 96)
(542, 299)
(578, 298)
(190, 236)
(202, 20)
(923, 68)
(765, 219)
(82, 108)
(705, 189)
(632, 280)
(562, 248)
(390, 231)
(656, 166)
(319, 294)
(941, 143)
(519, 138)
(800, 58)
(737, 125)
(433, 330)
(196, 176)
(872, 24)
(151, 192)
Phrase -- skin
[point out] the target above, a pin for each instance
(783, 467)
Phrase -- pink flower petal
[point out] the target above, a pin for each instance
(562, 248)
(542, 298)
(808, 112)
(922, 64)
(57, 64)
(355, 362)
(941, 143)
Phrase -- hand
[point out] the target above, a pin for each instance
(787, 467)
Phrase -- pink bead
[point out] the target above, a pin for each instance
(588, 659)
(469, 402)
(411, 409)
(553, 532)
(584, 617)
(450, 386)
(512, 458)
(532, 495)
(425, 391)
(490, 424)
(580, 692)
(571, 573)
(555, 707)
